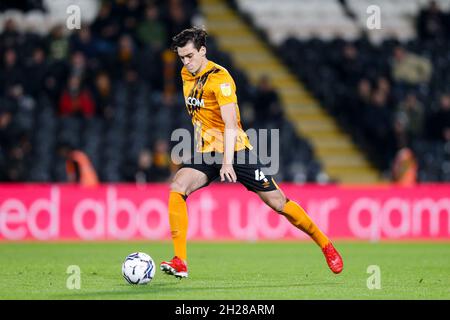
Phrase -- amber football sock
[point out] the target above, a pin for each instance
(178, 220)
(299, 218)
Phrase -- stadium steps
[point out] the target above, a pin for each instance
(341, 159)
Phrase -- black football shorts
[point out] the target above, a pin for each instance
(246, 164)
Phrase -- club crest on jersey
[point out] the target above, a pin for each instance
(225, 88)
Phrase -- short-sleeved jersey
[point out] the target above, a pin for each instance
(204, 94)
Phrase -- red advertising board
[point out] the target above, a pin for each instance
(221, 212)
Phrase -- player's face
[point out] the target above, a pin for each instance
(192, 58)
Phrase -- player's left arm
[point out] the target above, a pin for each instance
(229, 117)
(225, 93)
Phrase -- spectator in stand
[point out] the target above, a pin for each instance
(38, 67)
(378, 128)
(439, 123)
(161, 169)
(58, 44)
(151, 167)
(54, 81)
(79, 168)
(126, 51)
(131, 83)
(177, 20)
(76, 100)
(18, 159)
(384, 85)
(431, 22)
(15, 145)
(151, 31)
(350, 66)
(78, 66)
(266, 102)
(169, 59)
(22, 103)
(404, 168)
(358, 101)
(410, 113)
(131, 15)
(10, 37)
(82, 41)
(364, 91)
(81, 67)
(410, 68)
(7, 127)
(11, 72)
(58, 68)
(103, 95)
(3, 166)
(143, 172)
(106, 26)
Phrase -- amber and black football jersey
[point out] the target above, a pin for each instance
(204, 94)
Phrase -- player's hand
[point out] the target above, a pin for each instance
(227, 172)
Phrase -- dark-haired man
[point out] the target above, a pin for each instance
(211, 101)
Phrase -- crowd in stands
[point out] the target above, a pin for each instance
(111, 90)
(389, 96)
(22, 5)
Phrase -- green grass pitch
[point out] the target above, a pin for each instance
(236, 270)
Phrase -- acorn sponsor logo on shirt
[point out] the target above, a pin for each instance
(194, 102)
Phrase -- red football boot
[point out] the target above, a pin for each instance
(333, 258)
(175, 267)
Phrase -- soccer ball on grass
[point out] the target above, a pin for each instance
(138, 268)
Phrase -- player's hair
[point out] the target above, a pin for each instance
(195, 34)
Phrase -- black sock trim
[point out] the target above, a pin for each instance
(184, 196)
